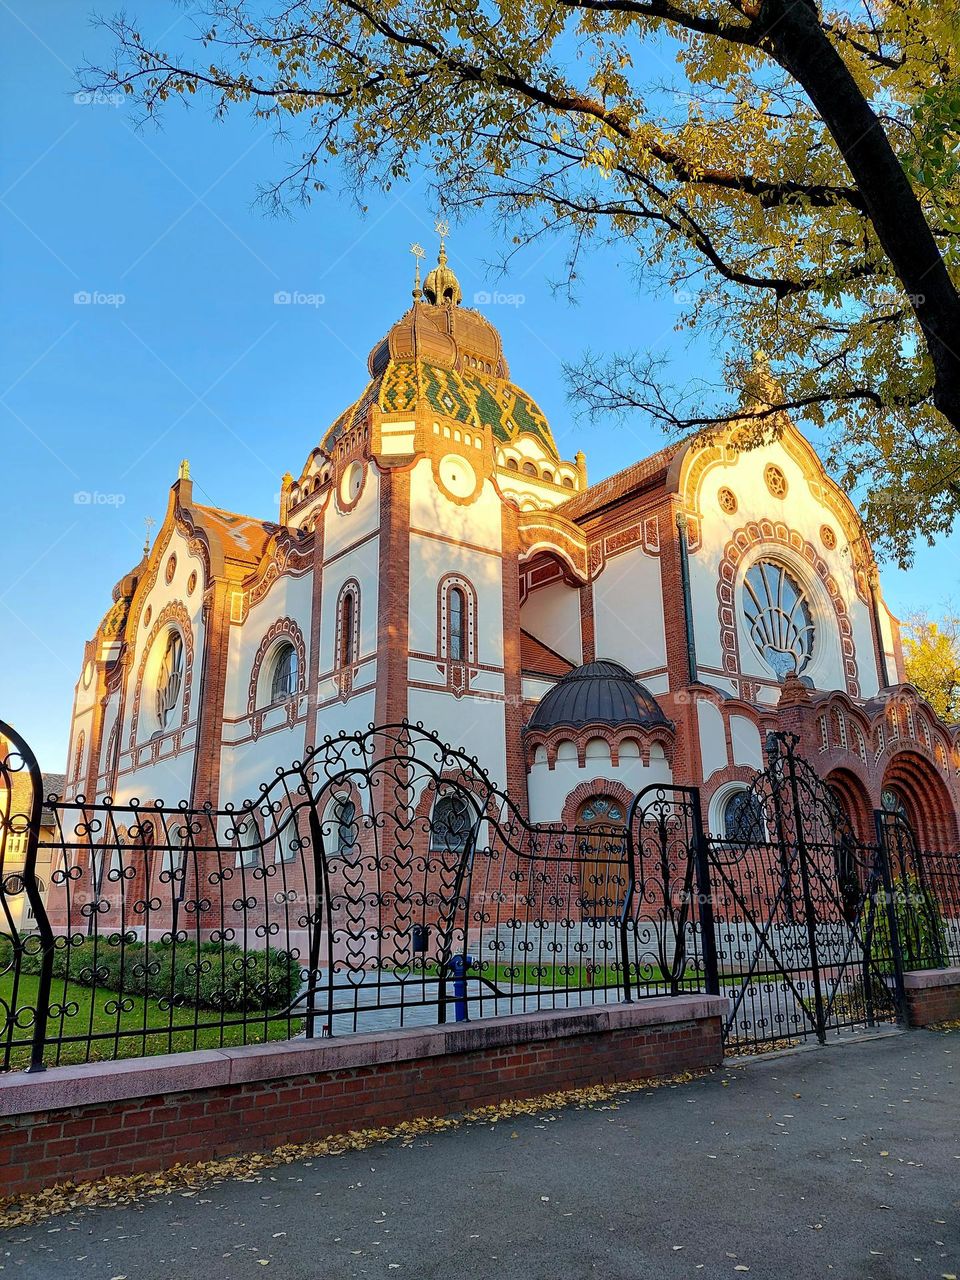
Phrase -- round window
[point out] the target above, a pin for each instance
(457, 475)
(351, 482)
(778, 617)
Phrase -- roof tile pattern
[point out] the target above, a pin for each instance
(465, 395)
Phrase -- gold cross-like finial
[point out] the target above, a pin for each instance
(149, 522)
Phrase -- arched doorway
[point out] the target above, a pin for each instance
(601, 847)
(854, 800)
(913, 788)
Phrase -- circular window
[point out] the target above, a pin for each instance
(828, 537)
(192, 583)
(351, 482)
(727, 500)
(147, 615)
(776, 481)
(87, 674)
(170, 570)
(457, 476)
(778, 617)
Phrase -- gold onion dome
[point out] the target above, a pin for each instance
(441, 285)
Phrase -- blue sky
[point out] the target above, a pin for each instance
(198, 361)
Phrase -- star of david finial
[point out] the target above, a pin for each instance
(148, 522)
(418, 252)
(442, 229)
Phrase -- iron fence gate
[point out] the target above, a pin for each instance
(801, 911)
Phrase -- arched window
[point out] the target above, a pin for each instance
(456, 624)
(450, 823)
(529, 469)
(285, 675)
(248, 840)
(78, 757)
(601, 809)
(743, 818)
(893, 803)
(345, 818)
(513, 464)
(169, 679)
(778, 618)
(347, 628)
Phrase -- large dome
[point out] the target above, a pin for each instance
(450, 359)
(598, 693)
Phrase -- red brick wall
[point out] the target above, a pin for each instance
(930, 998)
(143, 1134)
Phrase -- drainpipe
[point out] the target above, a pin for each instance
(874, 580)
(687, 602)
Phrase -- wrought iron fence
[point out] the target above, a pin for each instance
(384, 881)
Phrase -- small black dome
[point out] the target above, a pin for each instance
(598, 693)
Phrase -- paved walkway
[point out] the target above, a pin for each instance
(839, 1162)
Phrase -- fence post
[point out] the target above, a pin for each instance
(789, 742)
(883, 852)
(708, 936)
(34, 897)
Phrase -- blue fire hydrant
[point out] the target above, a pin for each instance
(458, 967)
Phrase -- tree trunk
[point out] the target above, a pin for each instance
(794, 36)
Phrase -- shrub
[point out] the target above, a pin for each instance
(210, 975)
(920, 928)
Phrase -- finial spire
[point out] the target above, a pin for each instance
(442, 229)
(184, 472)
(418, 252)
(148, 522)
(441, 285)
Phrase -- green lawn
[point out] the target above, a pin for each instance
(91, 1017)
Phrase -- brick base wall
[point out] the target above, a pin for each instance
(148, 1114)
(933, 995)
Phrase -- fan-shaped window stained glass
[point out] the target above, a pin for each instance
(169, 679)
(778, 618)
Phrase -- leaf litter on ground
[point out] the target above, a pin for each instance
(186, 1180)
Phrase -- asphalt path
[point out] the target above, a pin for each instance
(843, 1161)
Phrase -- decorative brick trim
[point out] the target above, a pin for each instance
(458, 673)
(770, 532)
(346, 672)
(282, 629)
(579, 796)
(613, 735)
(172, 614)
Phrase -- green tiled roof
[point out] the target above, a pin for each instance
(469, 397)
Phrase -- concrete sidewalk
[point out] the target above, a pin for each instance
(839, 1162)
